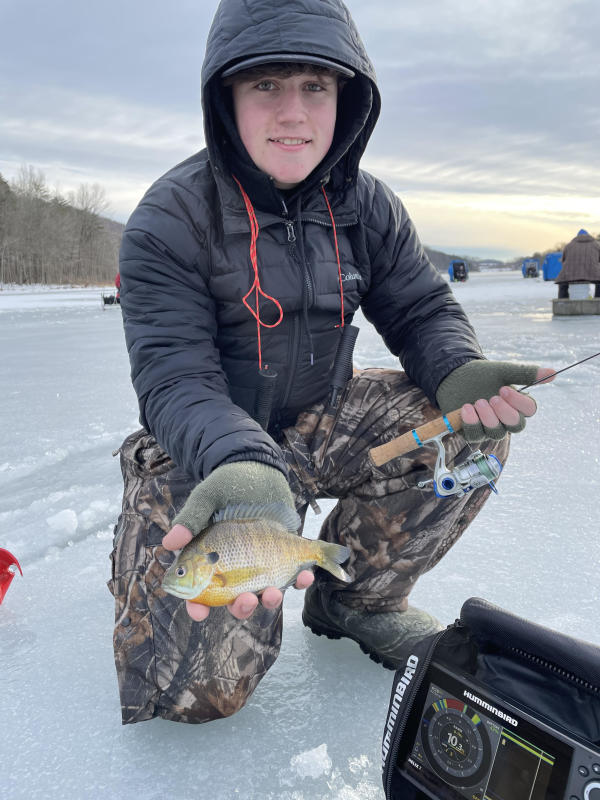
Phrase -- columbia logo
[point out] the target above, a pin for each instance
(351, 276)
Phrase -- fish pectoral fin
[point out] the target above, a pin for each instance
(236, 577)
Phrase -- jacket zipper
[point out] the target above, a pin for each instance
(295, 343)
(328, 224)
(408, 699)
(294, 348)
(294, 355)
(307, 268)
(291, 234)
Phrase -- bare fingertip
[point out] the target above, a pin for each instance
(177, 538)
(196, 611)
(271, 605)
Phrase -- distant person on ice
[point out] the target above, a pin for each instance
(254, 253)
(580, 264)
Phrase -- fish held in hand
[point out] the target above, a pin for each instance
(246, 549)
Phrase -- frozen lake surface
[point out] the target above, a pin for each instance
(313, 728)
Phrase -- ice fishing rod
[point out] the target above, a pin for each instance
(478, 470)
(558, 371)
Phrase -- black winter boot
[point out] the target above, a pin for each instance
(387, 636)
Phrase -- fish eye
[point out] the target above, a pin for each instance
(180, 572)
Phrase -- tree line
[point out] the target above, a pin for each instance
(50, 238)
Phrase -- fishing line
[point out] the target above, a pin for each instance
(564, 369)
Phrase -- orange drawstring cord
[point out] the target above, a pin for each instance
(337, 255)
(256, 287)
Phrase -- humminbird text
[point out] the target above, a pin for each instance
(401, 688)
(488, 707)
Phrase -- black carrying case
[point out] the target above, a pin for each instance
(553, 676)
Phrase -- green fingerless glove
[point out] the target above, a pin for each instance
(481, 379)
(239, 483)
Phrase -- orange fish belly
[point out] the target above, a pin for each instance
(216, 596)
(227, 585)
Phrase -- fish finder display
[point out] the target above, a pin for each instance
(466, 745)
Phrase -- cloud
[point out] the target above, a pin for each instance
(512, 170)
(489, 109)
(481, 33)
(74, 137)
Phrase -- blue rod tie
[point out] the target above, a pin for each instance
(447, 424)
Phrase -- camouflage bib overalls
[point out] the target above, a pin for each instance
(172, 667)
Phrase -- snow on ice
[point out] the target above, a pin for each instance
(313, 728)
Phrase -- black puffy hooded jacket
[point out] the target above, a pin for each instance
(185, 263)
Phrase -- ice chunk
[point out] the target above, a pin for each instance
(312, 763)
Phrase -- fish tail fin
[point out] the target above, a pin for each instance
(330, 556)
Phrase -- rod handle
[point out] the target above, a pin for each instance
(412, 439)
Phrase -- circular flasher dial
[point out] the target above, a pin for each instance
(456, 742)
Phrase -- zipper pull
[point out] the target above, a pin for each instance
(291, 234)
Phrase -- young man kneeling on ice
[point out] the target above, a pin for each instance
(249, 258)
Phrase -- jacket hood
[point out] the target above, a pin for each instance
(323, 28)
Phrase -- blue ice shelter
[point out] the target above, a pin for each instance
(552, 265)
(530, 268)
(458, 270)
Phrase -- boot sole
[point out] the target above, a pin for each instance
(321, 630)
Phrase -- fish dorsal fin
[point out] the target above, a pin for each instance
(276, 512)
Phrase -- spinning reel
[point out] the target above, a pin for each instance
(478, 470)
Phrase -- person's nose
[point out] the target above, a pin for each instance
(291, 107)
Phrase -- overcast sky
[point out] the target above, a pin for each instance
(490, 127)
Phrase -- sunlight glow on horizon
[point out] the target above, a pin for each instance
(511, 225)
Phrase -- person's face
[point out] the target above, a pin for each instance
(286, 124)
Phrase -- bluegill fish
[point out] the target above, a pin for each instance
(246, 549)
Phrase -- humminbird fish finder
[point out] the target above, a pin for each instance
(494, 707)
(466, 743)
